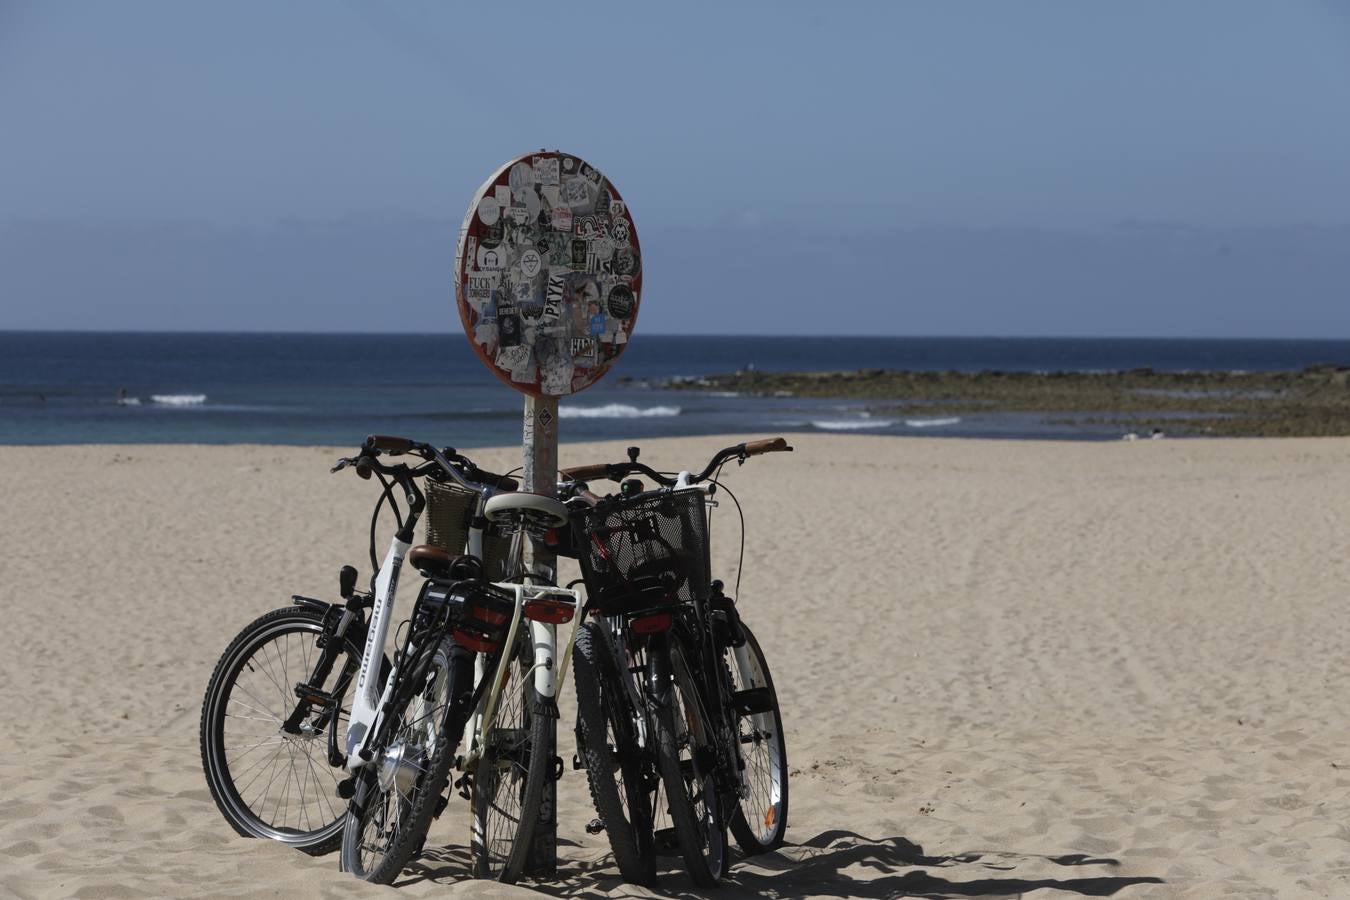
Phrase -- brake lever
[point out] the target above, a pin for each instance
(342, 463)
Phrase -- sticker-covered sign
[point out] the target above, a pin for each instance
(548, 274)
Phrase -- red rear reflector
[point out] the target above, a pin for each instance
(549, 610)
(651, 624)
(474, 642)
(490, 616)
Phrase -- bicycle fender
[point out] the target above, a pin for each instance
(658, 669)
(311, 603)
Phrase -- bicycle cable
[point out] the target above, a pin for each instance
(385, 494)
(740, 560)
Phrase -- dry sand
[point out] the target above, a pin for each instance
(1007, 668)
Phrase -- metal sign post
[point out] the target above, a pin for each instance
(548, 278)
(541, 477)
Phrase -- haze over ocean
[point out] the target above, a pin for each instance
(1028, 169)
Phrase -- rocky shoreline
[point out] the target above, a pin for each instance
(1314, 402)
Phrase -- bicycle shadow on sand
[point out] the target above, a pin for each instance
(834, 863)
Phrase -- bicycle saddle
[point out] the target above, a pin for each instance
(433, 562)
(534, 508)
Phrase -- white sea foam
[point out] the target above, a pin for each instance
(128, 401)
(851, 424)
(178, 399)
(616, 411)
(932, 423)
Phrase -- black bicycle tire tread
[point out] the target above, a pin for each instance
(634, 866)
(317, 848)
(681, 806)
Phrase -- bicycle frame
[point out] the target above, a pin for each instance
(544, 640)
(367, 703)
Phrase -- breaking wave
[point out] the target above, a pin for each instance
(178, 399)
(932, 423)
(851, 424)
(616, 411)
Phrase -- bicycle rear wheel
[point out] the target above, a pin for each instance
(269, 780)
(508, 782)
(608, 742)
(760, 820)
(686, 756)
(399, 791)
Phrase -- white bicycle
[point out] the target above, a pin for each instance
(473, 663)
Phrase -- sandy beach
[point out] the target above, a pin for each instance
(1007, 668)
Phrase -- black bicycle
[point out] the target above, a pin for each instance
(677, 713)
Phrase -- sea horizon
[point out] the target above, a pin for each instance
(325, 388)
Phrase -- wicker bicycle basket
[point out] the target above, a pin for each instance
(450, 509)
(650, 551)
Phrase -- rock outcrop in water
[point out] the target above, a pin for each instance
(1313, 402)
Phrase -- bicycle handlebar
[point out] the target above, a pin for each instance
(388, 444)
(462, 469)
(619, 471)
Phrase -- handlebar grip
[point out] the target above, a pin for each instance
(585, 473)
(767, 445)
(389, 444)
(363, 467)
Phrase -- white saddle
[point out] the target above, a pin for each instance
(509, 507)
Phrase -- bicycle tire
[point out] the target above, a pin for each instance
(759, 823)
(437, 701)
(684, 735)
(609, 748)
(512, 762)
(232, 780)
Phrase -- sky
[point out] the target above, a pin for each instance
(757, 120)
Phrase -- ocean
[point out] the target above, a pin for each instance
(329, 389)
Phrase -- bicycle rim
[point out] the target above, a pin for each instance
(269, 783)
(761, 819)
(401, 785)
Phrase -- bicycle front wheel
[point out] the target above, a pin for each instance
(760, 821)
(399, 790)
(508, 783)
(269, 775)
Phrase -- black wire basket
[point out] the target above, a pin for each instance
(647, 552)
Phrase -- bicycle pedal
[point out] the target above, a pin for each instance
(752, 701)
(463, 785)
(311, 694)
(665, 841)
(595, 826)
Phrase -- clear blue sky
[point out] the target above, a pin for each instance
(841, 116)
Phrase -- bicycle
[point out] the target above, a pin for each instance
(659, 708)
(281, 686)
(464, 662)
